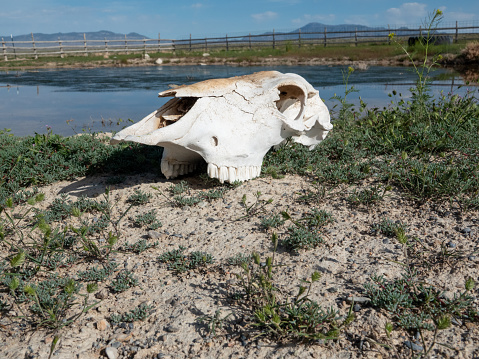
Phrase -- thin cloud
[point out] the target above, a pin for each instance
(407, 13)
(264, 16)
(197, 5)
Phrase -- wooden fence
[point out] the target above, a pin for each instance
(20, 49)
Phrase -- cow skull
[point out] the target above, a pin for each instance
(231, 123)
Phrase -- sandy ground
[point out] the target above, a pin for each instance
(350, 255)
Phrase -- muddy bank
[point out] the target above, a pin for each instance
(203, 61)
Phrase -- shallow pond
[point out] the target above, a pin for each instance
(75, 100)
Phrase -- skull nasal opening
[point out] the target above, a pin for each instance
(174, 110)
(290, 100)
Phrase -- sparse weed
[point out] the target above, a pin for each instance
(97, 274)
(345, 109)
(301, 238)
(298, 318)
(305, 232)
(182, 196)
(179, 188)
(52, 299)
(389, 228)
(239, 259)
(180, 263)
(256, 207)
(185, 201)
(141, 312)
(213, 322)
(148, 219)
(417, 307)
(139, 246)
(368, 196)
(124, 281)
(139, 198)
(273, 221)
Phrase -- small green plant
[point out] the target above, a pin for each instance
(345, 110)
(298, 318)
(179, 188)
(368, 196)
(53, 299)
(124, 281)
(141, 312)
(412, 304)
(256, 207)
(302, 238)
(273, 221)
(389, 228)
(139, 198)
(239, 259)
(417, 307)
(305, 232)
(213, 194)
(420, 93)
(178, 262)
(148, 219)
(98, 274)
(213, 322)
(139, 246)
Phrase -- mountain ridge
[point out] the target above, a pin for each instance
(66, 36)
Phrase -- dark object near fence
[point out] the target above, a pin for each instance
(433, 40)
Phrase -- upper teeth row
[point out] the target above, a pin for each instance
(177, 169)
(232, 174)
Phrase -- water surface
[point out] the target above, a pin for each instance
(75, 100)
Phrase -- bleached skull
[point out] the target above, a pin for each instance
(231, 123)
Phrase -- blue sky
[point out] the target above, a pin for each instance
(177, 19)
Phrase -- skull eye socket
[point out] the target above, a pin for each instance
(175, 109)
(289, 102)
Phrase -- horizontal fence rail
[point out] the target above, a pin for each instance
(20, 49)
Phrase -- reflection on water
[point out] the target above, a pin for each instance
(95, 99)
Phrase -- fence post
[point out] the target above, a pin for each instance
(273, 40)
(389, 37)
(13, 46)
(227, 47)
(299, 38)
(173, 45)
(159, 45)
(356, 37)
(206, 44)
(84, 45)
(190, 42)
(249, 40)
(126, 45)
(106, 47)
(144, 46)
(5, 57)
(455, 40)
(34, 48)
(61, 48)
(325, 36)
(420, 31)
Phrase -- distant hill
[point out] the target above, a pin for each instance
(97, 35)
(316, 27)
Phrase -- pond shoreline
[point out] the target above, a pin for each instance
(448, 62)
